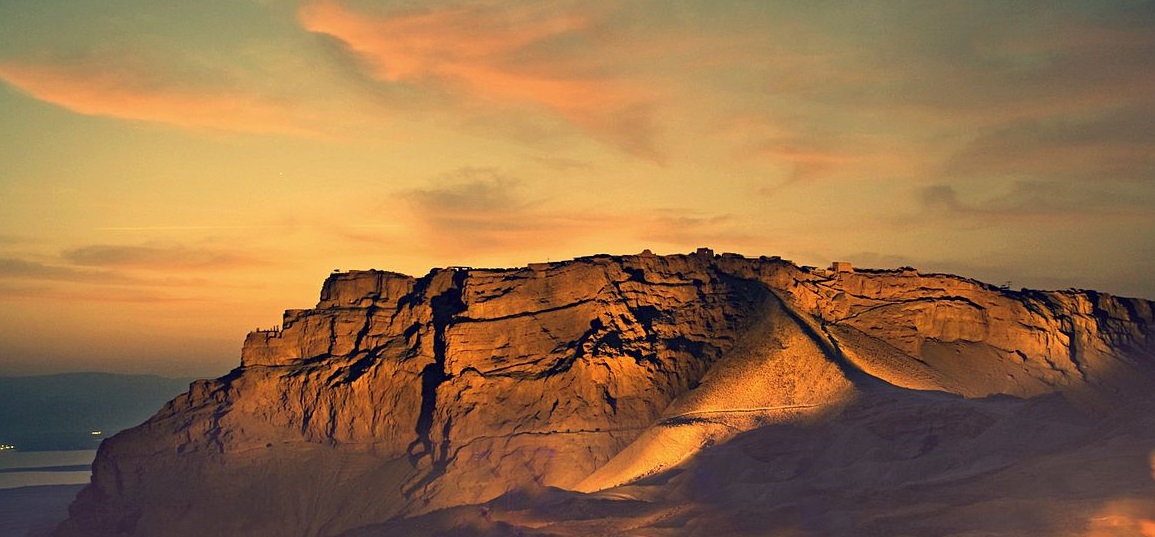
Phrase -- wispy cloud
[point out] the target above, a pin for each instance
(466, 193)
(25, 269)
(90, 270)
(692, 229)
(157, 257)
(1119, 145)
(973, 89)
(982, 62)
(163, 274)
(36, 292)
(481, 209)
(128, 86)
(1068, 201)
(510, 55)
(809, 156)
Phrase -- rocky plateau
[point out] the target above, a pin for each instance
(695, 394)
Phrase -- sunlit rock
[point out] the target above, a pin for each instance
(683, 387)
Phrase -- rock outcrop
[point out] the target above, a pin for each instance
(398, 396)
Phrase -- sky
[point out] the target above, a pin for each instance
(175, 174)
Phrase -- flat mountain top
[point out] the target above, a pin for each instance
(656, 395)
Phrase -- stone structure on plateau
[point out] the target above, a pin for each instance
(654, 395)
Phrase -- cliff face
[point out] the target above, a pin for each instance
(396, 396)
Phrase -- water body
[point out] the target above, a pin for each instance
(35, 468)
(34, 511)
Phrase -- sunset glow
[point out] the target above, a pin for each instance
(173, 175)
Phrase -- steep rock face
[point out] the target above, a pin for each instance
(398, 395)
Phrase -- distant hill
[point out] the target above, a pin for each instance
(60, 412)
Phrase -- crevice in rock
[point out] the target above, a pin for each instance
(445, 307)
(1074, 347)
(431, 376)
(524, 313)
(356, 369)
(610, 400)
(332, 334)
(889, 303)
(646, 315)
(636, 274)
(443, 448)
(364, 331)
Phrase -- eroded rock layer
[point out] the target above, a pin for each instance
(396, 396)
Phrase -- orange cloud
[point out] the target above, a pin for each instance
(1128, 516)
(498, 53)
(119, 89)
(813, 153)
(810, 162)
